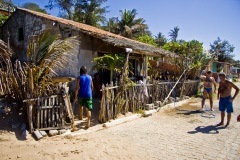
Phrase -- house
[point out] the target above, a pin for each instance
(24, 23)
(235, 71)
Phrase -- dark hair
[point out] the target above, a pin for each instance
(222, 74)
(209, 72)
(83, 70)
(96, 74)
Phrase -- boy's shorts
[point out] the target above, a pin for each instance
(87, 102)
(225, 103)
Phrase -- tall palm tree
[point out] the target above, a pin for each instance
(130, 26)
(90, 12)
(160, 39)
(174, 34)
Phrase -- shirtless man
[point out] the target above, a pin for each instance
(208, 82)
(225, 102)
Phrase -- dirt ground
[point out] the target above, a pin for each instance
(14, 144)
(102, 144)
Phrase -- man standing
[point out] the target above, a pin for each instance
(225, 102)
(83, 94)
(208, 82)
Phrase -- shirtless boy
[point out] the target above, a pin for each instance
(225, 102)
(208, 82)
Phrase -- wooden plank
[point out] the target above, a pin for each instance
(51, 128)
(49, 117)
(47, 107)
(30, 120)
(53, 117)
(57, 117)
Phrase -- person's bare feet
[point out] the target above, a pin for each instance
(220, 124)
(227, 124)
(87, 126)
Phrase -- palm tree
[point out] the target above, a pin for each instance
(130, 26)
(90, 12)
(46, 54)
(160, 39)
(174, 34)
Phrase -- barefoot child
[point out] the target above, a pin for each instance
(225, 102)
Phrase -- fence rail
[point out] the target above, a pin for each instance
(134, 98)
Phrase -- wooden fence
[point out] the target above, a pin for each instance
(52, 112)
(135, 97)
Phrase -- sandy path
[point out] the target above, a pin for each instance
(168, 134)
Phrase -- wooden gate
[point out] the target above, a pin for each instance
(49, 113)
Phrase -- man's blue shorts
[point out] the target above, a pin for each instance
(225, 104)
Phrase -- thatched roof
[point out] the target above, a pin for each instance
(171, 68)
(107, 37)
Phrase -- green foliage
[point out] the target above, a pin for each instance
(46, 54)
(140, 111)
(90, 12)
(191, 55)
(34, 7)
(147, 39)
(173, 47)
(160, 39)
(3, 19)
(236, 63)
(130, 26)
(222, 50)
(112, 62)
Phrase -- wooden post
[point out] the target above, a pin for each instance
(163, 69)
(145, 66)
(29, 111)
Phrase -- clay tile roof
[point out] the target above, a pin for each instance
(108, 37)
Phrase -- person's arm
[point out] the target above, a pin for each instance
(218, 93)
(91, 83)
(215, 85)
(202, 76)
(236, 90)
(76, 90)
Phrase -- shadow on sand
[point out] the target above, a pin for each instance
(188, 112)
(207, 129)
(80, 124)
(12, 122)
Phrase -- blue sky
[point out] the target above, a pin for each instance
(202, 20)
